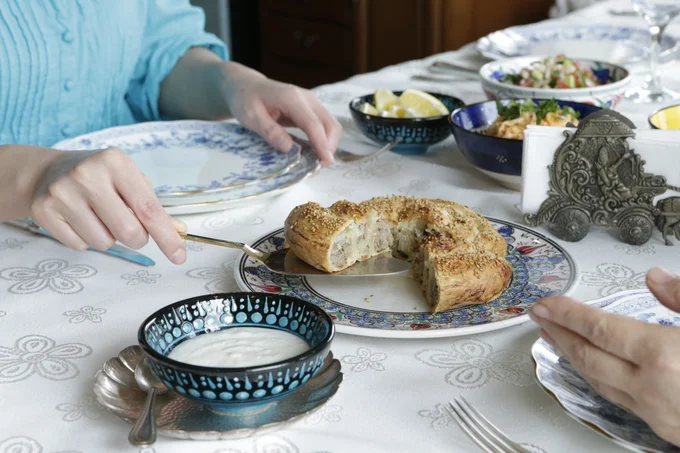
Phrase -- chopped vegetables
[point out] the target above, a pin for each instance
(514, 110)
(553, 72)
(515, 117)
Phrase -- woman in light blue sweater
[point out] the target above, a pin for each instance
(68, 67)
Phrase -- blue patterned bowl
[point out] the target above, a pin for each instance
(614, 79)
(416, 135)
(499, 158)
(236, 390)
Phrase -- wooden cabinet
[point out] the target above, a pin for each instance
(312, 42)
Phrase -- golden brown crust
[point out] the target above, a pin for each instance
(458, 256)
(465, 279)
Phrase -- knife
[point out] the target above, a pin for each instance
(117, 250)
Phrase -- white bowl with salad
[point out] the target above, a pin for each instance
(557, 77)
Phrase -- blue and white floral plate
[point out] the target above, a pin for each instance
(393, 306)
(184, 159)
(614, 44)
(307, 166)
(582, 402)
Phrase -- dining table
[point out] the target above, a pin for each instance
(63, 313)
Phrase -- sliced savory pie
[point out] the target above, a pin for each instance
(457, 257)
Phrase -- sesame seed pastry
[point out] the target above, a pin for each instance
(457, 257)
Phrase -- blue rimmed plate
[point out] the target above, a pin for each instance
(189, 158)
(393, 306)
(582, 402)
(614, 44)
(307, 166)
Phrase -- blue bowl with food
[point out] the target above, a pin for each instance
(237, 352)
(490, 134)
(384, 119)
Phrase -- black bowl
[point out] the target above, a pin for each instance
(500, 158)
(236, 389)
(416, 135)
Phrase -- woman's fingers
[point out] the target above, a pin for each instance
(69, 199)
(261, 122)
(59, 228)
(613, 394)
(138, 194)
(615, 334)
(665, 286)
(588, 359)
(331, 125)
(120, 220)
(296, 106)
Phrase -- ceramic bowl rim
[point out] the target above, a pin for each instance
(619, 84)
(368, 117)
(503, 139)
(198, 369)
(657, 111)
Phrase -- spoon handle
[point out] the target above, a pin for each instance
(144, 430)
(254, 253)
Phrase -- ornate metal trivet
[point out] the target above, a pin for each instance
(596, 179)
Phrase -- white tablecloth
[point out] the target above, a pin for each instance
(71, 311)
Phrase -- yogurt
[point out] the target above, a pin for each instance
(238, 347)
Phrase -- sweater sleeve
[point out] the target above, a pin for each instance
(172, 28)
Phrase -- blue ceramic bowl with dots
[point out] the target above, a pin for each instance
(236, 390)
(416, 135)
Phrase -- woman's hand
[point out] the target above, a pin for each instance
(93, 198)
(266, 106)
(202, 86)
(633, 364)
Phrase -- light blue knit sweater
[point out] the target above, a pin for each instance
(68, 67)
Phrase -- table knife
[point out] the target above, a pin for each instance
(117, 250)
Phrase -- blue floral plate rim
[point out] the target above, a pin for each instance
(541, 267)
(605, 418)
(263, 162)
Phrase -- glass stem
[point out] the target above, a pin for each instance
(654, 78)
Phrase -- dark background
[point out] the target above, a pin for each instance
(313, 42)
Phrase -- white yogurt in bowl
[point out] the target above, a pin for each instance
(239, 347)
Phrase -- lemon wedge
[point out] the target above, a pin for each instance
(397, 111)
(422, 104)
(368, 109)
(385, 99)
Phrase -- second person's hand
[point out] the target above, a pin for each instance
(631, 363)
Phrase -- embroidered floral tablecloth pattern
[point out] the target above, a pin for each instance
(64, 313)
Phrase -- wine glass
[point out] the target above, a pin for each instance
(657, 14)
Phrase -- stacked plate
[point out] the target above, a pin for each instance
(614, 44)
(201, 166)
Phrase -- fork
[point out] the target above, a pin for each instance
(346, 157)
(480, 430)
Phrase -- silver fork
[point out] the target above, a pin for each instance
(346, 157)
(480, 430)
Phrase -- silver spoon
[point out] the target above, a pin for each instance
(144, 430)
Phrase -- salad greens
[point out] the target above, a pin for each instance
(515, 109)
(553, 72)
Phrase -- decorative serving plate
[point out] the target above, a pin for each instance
(615, 44)
(180, 418)
(307, 166)
(580, 401)
(185, 158)
(392, 306)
